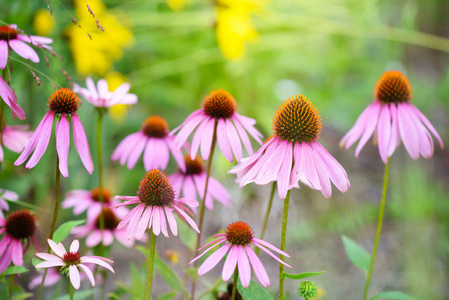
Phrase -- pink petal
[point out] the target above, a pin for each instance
(163, 222)
(428, 124)
(41, 144)
(58, 251)
(74, 275)
(244, 267)
(156, 221)
(136, 152)
(394, 134)
(284, 172)
(258, 267)
(197, 138)
(270, 246)
(17, 252)
(308, 167)
(50, 264)
(220, 241)
(323, 176)
(75, 246)
(187, 128)
(92, 88)
(408, 131)
(3, 54)
(206, 138)
(97, 261)
(81, 145)
(188, 188)
(125, 147)
(253, 173)
(49, 257)
(234, 140)
(219, 192)
(89, 274)
(150, 157)
(187, 218)
(24, 50)
(223, 141)
(93, 239)
(128, 217)
(248, 123)
(271, 254)
(230, 263)
(171, 221)
(384, 132)
(143, 222)
(371, 123)
(243, 136)
(213, 260)
(132, 227)
(270, 170)
(297, 167)
(62, 144)
(359, 127)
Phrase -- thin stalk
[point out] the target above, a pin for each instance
(234, 286)
(100, 175)
(379, 229)
(53, 222)
(71, 290)
(11, 285)
(267, 214)
(150, 265)
(200, 222)
(283, 235)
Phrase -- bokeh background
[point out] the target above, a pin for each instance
(175, 52)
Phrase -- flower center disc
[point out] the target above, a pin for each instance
(155, 126)
(95, 195)
(72, 258)
(64, 101)
(393, 87)
(20, 224)
(297, 120)
(7, 33)
(239, 233)
(110, 220)
(219, 104)
(195, 166)
(155, 189)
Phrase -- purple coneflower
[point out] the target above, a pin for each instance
(100, 96)
(392, 118)
(156, 202)
(219, 109)
(193, 181)
(54, 276)
(63, 105)
(293, 153)
(10, 99)
(19, 228)
(15, 138)
(9, 36)
(93, 231)
(8, 195)
(69, 262)
(157, 142)
(237, 240)
(82, 200)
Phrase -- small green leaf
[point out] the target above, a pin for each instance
(22, 296)
(301, 275)
(168, 274)
(168, 296)
(15, 270)
(359, 256)
(63, 231)
(253, 291)
(394, 295)
(36, 261)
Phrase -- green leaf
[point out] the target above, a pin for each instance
(144, 251)
(168, 274)
(78, 295)
(168, 296)
(301, 275)
(395, 295)
(187, 236)
(359, 256)
(63, 231)
(253, 291)
(22, 296)
(36, 261)
(15, 270)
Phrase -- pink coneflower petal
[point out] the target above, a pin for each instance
(17, 252)
(219, 192)
(132, 227)
(189, 190)
(49, 257)
(244, 267)
(74, 276)
(136, 151)
(163, 222)
(197, 137)
(171, 221)
(408, 132)
(103, 88)
(35, 40)
(206, 138)
(56, 249)
(150, 158)
(218, 242)
(270, 169)
(308, 167)
(187, 128)
(230, 263)
(270, 246)
(258, 267)
(384, 132)
(370, 126)
(89, 274)
(63, 144)
(50, 264)
(323, 176)
(248, 124)
(284, 171)
(125, 147)
(128, 217)
(143, 222)
(297, 167)
(3, 54)
(223, 141)
(24, 50)
(189, 202)
(91, 87)
(96, 260)
(163, 153)
(271, 254)
(187, 218)
(108, 237)
(243, 136)
(213, 260)
(394, 134)
(81, 144)
(357, 130)
(234, 140)
(43, 136)
(93, 239)
(427, 124)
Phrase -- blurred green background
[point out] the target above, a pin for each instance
(333, 51)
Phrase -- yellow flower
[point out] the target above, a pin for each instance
(234, 26)
(43, 22)
(321, 292)
(114, 79)
(95, 55)
(176, 4)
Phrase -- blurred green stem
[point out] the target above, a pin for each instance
(283, 235)
(234, 286)
(11, 285)
(152, 237)
(71, 290)
(200, 222)
(53, 222)
(267, 214)
(379, 228)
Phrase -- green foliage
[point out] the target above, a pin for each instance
(253, 291)
(63, 231)
(15, 270)
(170, 277)
(394, 295)
(78, 295)
(301, 275)
(359, 256)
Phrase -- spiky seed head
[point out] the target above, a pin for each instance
(219, 104)
(393, 87)
(155, 126)
(155, 189)
(239, 233)
(64, 101)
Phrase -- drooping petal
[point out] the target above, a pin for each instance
(49, 257)
(223, 141)
(74, 275)
(143, 222)
(63, 143)
(132, 227)
(234, 140)
(24, 50)
(408, 131)
(42, 141)
(297, 167)
(197, 138)
(230, 263)
(81, 145)
(371, 123)
(17, 252)
(187, 128)
(213, 260)
(429, 125)
(269, 171)
(244, 267)
(156, 217)
(248, 123)
(163, 222)
(93, 239)
(394, 134)
(89, 274)
(171, 221)
(308, 167)
(283, 180)
(125, 147)
(3, 54)
(218, 242)
(258, 267)
(206, 138)
(50, 264)
(95, 260)
(243, 136)
(271, 254)
(136, 152)
(186, 217)
(384, 132)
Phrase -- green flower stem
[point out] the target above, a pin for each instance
(200, 222)
(53, 222)
(100, 175)
(71, 290)
(267, 214)
(379, 228)
(152, 238)
(234, 286)
(283, 235)
(11, 285)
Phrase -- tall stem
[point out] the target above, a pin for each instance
(283, 235)
(53, 222)
(234, 286)
(71, 290)
(100, 175)
(267, 214)
(200, 222)
(11, 285)
(379, 228)
(150, 265)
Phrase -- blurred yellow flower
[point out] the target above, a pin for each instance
(234, 26)
(95, 54)
(114, 79)
(172, 255)
(43, 22)
(321, 292)
(176, 4)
